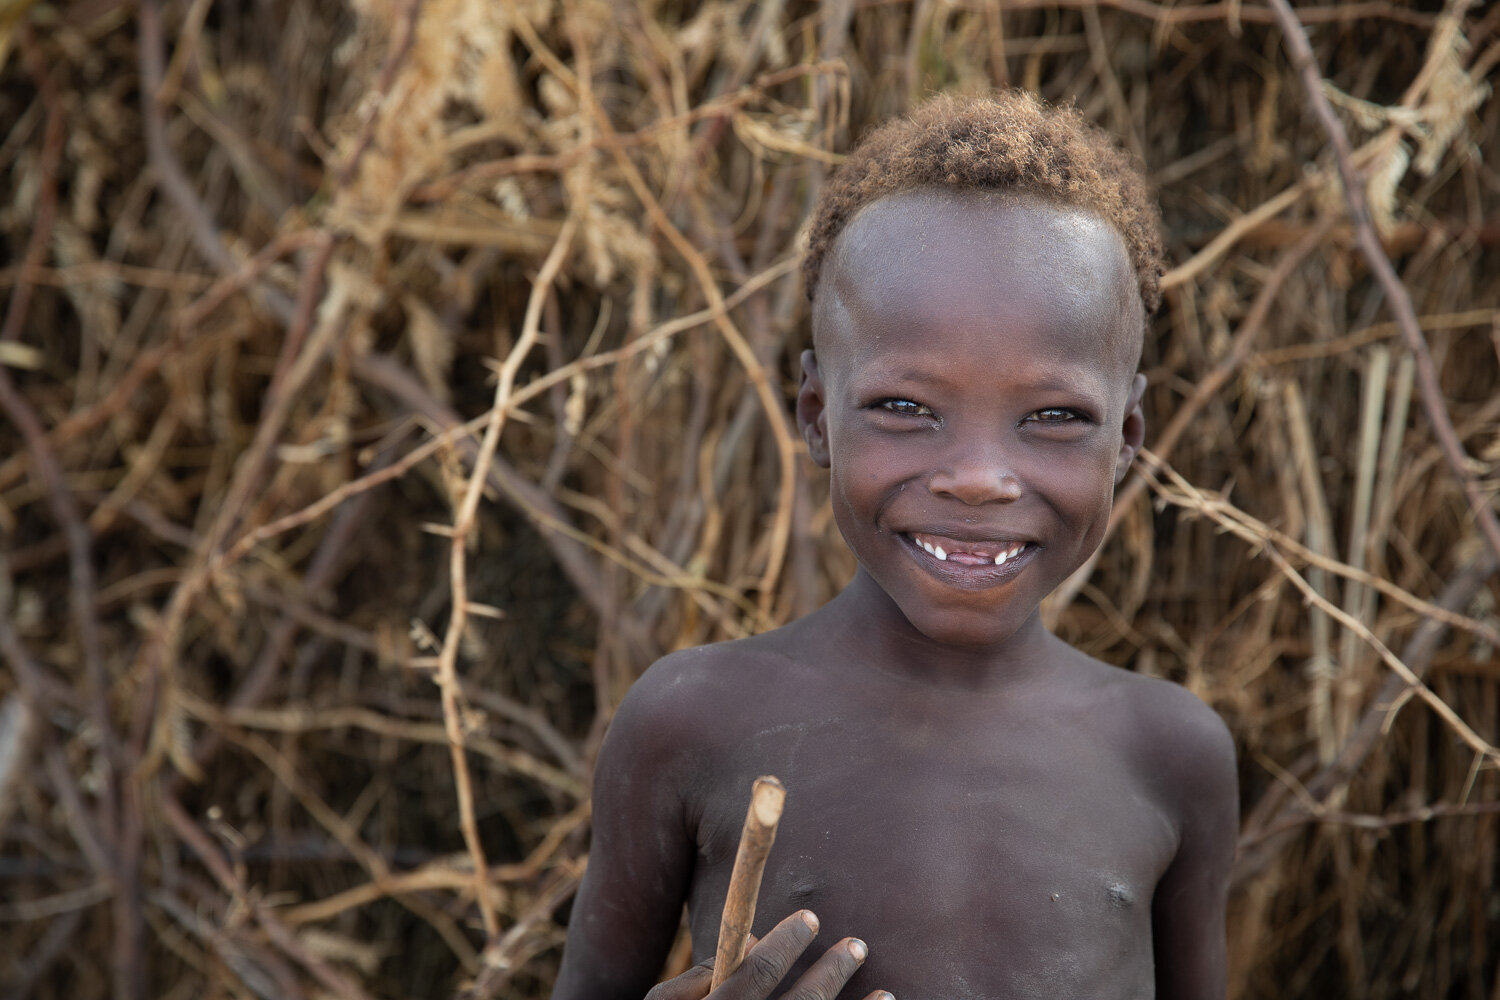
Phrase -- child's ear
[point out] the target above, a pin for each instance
(1134, 430)
(812, 415)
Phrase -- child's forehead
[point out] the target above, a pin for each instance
(989, 222)
(962, 257)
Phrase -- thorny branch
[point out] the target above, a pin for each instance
(463, 524)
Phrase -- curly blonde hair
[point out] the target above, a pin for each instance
(1011, 141)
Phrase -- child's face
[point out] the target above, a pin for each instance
(974, 396)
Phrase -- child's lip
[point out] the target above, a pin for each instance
(969, 561)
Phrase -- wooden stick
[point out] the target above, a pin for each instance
(767, 796)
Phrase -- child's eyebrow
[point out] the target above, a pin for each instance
(1071, 382)
(934, 378)
(919, 376)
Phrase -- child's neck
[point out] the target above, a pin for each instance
(868, 630)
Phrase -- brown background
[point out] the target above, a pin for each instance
(259, 259)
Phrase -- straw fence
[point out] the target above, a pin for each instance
(385, 385)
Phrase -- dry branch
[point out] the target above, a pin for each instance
(260, 271)
(1396, 295)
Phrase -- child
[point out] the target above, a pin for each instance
(993, 812)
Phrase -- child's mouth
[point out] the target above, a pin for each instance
(989, 560)
(968, 553)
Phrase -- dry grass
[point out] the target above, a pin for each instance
(386, 386)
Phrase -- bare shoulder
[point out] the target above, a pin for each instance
(649, 786)
(667, 736)
(1178, 743)
(1174, 720)
(680, 704)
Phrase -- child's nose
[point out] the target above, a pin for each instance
(977, 475)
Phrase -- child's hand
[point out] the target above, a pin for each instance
(768, 961)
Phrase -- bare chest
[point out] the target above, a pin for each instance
(973, 861)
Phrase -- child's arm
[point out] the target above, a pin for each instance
(640, 857)
(1196, 755)
(640, 864)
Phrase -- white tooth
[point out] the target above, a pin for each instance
(938, 551)
(1000, 559)
(928, 547)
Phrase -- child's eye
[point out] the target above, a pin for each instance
(906, 407)
(1055, 415)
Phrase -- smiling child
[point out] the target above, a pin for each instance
(975, 808)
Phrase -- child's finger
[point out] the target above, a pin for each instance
(830, 972)
(691, 985)
(768, 960)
